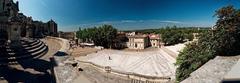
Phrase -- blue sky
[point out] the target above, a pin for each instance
(125, 14)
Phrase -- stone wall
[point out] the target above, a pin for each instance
(63, 73)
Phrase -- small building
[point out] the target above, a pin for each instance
(155, 40)
(141, 41)
(138, 42)
(195, 36)
(67, 35)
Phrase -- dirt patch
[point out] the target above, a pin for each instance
(79, 51)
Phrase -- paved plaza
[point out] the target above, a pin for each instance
(149, 63)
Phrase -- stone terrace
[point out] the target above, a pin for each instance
(213, 71)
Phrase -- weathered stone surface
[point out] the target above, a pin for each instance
(234, 73)
(213, 71)
(65, 74)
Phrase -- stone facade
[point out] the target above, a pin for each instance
(10, 23)
(52, 28)
(138, 42)
(155, 40)
(143, 41)
(68, 35)
(14, 25)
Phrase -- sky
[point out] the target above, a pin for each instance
(125, 14)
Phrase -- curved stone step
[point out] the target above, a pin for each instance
(31, 55)
(30, 42)
(27, 56)
(32, 45)
(31, 49)
(36, 49)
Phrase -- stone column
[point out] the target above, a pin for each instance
(15, 34)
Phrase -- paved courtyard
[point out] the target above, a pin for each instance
(149, 63)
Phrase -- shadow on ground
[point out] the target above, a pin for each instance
(35, 71)
(28, 70)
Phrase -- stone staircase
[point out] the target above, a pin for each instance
(30, 48)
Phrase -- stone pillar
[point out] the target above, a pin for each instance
(28, 31)
(15, 34)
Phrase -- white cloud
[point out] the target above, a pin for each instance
(139, 21)
(129, 21)
(170, 21)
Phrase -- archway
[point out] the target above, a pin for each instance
(3, 37)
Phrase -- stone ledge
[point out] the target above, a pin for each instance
(233, 74)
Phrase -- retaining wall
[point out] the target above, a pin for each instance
(58, 59)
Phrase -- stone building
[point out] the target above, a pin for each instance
(10, 23)
(143, 41)
(67, 35)
(138, 42)
(155, 40)
(195, 36)
(52, 28)
(14, 25)
(42, 29)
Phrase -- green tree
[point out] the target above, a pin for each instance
(223, 40)
(101, 36)
(227, 30)
(172, 36)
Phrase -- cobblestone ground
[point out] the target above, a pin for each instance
(33, 70)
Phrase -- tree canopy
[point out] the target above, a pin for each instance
(100, 36)
(223, 40)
